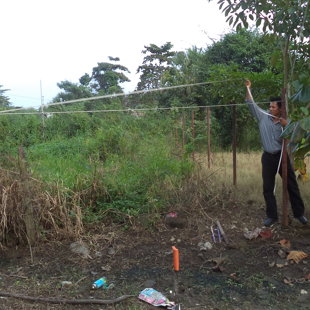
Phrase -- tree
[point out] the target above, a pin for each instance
(186, 68)
(232, 93)
(248, 49)
(237, 55)
(72, 91)
(287, 21)
(106, 77)
(299, 130)
(4, 100)
(157, 61)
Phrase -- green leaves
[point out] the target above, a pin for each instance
(4, 100)
(107, 76)
(305, 124)
(156, 63)
(281, 17)
(105, 79)
(303, 89)
(299, 143)
(289, 22)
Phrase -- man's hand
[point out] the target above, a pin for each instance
(283, 121)
(248, 95)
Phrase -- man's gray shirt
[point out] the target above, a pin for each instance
(269, 131)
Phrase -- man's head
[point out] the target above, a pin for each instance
(275, 106)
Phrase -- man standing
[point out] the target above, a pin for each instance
(270, 128)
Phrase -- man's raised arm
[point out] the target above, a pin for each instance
(255, 110)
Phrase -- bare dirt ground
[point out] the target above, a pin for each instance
(240, 274)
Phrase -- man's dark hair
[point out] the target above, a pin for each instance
(278, 100)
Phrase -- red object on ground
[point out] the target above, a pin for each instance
(266, 234)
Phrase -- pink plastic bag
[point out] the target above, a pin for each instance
(156, 298)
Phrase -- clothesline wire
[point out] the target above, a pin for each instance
(42, 112)
(130, 110)
(109, 96)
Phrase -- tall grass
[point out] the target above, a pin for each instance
(249, 180)
(122, 165)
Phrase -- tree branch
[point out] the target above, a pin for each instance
(66, 301)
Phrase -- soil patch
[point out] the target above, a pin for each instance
(240, 274)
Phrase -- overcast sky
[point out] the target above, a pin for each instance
(56, 40)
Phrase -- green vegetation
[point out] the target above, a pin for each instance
(126, 162)
(4, 100)
(119, 160)
(286, 24)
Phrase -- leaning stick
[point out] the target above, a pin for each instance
(222, 231)
(66, 301)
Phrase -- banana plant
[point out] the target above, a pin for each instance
(298, 132)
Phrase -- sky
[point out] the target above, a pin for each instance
(45, 42)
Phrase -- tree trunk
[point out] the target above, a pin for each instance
(284, 115)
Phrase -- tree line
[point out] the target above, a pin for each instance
(238, 55)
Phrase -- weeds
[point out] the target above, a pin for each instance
(116, 167)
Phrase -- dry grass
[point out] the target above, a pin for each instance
(28, 211)
(249, 180)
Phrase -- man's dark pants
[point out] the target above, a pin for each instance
(270, 164)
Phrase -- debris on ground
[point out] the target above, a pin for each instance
(219, 261)
(266, 234)
(102, 282)
(80, 248)
(282, 253)
(290, 281)
(175, 220)
(285, 243)
(66, 284)
(156, 298)
(297, 256)
(204, 246)
(251, 234)
(222, 233)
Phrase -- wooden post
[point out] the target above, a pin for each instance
(176, 134)
(183, 131)
(234, 144)
(209, 136)
(42, 110)
(284, 166)
(193, 134)
(29, 214)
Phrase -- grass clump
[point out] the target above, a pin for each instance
(120, 167)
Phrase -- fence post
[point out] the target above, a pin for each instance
(183, 131)
(176, 134)
(234, 145)
(209, 136)
(193, 133)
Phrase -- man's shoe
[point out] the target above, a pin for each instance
(269, 221)
(302, 219)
